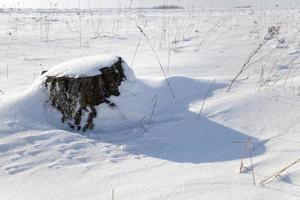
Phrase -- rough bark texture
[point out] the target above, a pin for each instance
(77, 98)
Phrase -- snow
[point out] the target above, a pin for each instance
(83, 67)
(139, 150)
(33, 102)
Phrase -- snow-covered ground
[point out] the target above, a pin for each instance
(172, 153)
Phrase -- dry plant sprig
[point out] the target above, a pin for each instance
(291, 67)
(207, 35)
(1, 92)
(138, 45)
(133, 124)
(272, 31)
(248, 145)
(260, 81)
(247, 62)
(161, 67)
(208, 91)
(274, 175)
(155, 99)
(251, 160)
(136, 50)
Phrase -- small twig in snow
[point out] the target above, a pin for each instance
(155, 99)
(137, 47)
(272, 31)
(161, 67)
(251, 160)
(247, 62)
(208, 91)
(248, 145)
(279, 172)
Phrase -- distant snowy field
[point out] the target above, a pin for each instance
(171, 155)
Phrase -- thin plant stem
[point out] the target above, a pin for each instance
(272, 31)
(155, 99)
(247, 62)
(208, 91)
(279, 172)
(161, 67)
(137, 47)
(252, 167)
(136, 50)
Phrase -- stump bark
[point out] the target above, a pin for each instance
(76, 98)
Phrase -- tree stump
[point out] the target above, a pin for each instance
(76, 98)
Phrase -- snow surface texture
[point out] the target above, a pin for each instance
(85, 67)
(166, 152)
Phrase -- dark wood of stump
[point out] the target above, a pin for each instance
(75, 98)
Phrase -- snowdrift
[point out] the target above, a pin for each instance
(78, 87)
(36, 104)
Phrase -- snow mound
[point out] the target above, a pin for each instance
(37, 106)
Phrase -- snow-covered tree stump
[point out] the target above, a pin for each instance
(76, 87)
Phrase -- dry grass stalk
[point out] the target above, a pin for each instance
(138, 46)
(274, 175)
(136, 50)
(271, 73)
(161, 67)
(260, 81)
(208, 91)
(248, 145)
(169, 53)
(207, 35)
(291, 67)
(293, 77)
(155, 99)
(272, 31)
(247, 62)
(251, 160)
(1, 92)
